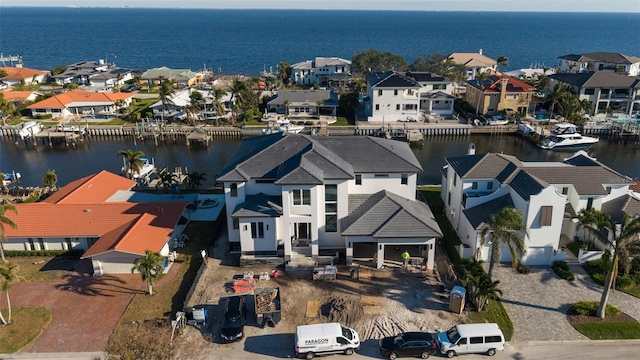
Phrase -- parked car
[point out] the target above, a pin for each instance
(235, 313)
(132, 87)
(414, 344)
(471, 338)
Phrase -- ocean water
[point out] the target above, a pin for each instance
(249, 41)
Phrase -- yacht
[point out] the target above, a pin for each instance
(29, 129)
(148, 167)
(566, 136)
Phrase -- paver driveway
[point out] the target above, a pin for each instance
(537, 303)
(84, 309)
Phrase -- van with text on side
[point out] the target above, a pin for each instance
(470, 338)
(322, 339)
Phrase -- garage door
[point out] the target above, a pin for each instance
(538, 255)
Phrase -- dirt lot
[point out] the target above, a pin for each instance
(382, 303)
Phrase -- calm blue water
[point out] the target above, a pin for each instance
(248, 41)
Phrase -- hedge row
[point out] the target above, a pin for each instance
(22, 253)
(591, 307)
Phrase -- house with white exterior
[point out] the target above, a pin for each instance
(182, 77)
(603, 89)
(304, 103)
(476, 63)
(80, 102)
(297, 197)
(112, 78)
(17, 75)
(596, 61)
(112, 233)
(406, 96)
(321, 71)
(549, 195)
(180, 100)
(80, 72)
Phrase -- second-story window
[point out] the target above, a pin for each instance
(358, 179)
(395, 92)
(474, 185)
(608, 189)
(490, 185)
(565, 190)
(234, 189)
(331, 208)
(302, 197)
(379, 92)
(404, 179)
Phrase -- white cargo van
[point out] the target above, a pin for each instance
(471, 338)
(332, 338)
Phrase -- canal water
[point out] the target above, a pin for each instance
(96, 154)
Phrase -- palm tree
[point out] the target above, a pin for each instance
(49, 178)
(506, 227)
(481, 79)
(149, 267)
(622, 236)
(555, 97)
(4, 220)
(284, 71)
(196, 179)
(195, 106)
(166, 177)
(237, 88)
(589, 219)
(286, 103)
(502, 60)
(217, 96)
(8, 274)
(132, 162)
(166, 94)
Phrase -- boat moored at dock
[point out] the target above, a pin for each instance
(565, 136)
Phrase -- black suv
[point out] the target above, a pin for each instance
(417, 344)
(235, 312)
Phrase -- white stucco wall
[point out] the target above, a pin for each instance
(372, 184)
(54, 243)
(267, 243)
(115, 262)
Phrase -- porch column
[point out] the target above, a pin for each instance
(380, 260)
(349, 253)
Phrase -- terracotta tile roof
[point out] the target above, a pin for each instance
(95, 188)
(513, 84)
(79, 96)
(635, 187)
(16, 95)
(15, 73)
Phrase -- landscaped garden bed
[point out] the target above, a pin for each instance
(615, 325)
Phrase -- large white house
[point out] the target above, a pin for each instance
(298, 196)
(176, 108)
(393, 96)
(549, 195)
(575, 63)
(321, 71)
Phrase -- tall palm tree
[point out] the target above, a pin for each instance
(149, 267)
(622, 235)
(49, 178)
(217, 96)
(589, 219)
(195, 106)
(481, 79)
(8, 274)
(506, 228)
(4, 220)
(502, 60)
(166, 94)
(167, 178)
(132, 162)
(196, 179)
(555, 97)
(237, 88)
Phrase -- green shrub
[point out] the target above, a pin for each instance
(22, 253)
(309, 123)
(524, 269)
(624, 282)
(562, 270)
(574, 247)
(44, 116)
(635, 266)
(561, 264)
(598, 277)
(591, 307)
(31, 199)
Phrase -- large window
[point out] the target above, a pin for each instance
(257, 230)
(545, 215)
(358, 179)
(404, 179)
(302, 197)
(589, 203)
(490, 185)
(331, 208)
(234, 190)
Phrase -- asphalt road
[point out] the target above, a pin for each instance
(562, 350)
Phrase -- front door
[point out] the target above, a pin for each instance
(301, 234)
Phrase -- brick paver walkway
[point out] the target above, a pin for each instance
(537, 303)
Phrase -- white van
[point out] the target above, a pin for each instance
(471, 338)
(331, 338)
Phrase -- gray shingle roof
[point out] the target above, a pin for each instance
(478, 216)
(596, 79)
(392, 79)
(311, 97)
(260, 205)
(301, 159)
(607, 57)
(620, 206)
(387, 215)
(526, 185)
(487, 166)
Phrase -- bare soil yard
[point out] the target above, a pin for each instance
(381, 303)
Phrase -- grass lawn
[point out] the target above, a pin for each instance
(26, 325)
(343, 121)
(42, 268)
(494, 312)
(609, 330)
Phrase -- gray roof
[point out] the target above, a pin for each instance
(485, 166)
(526, 185)
(167, 73)
(301, 159)
(615, 58)
(478, 216)
(620, 206)
(260, 205)
(597, 79)
(393, 80)
(427, 77)
(438, 95)
(387, 215)
(319, 62)
(311, 97)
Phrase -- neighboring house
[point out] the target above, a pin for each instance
(549, 195)
(575, 63)
(393, 96)
(80, 102)
(529, 73)
(112, 233)
(604, 89)
(176, 109)
(304, 103)
(476, 63)
(112, 78)
(19, 97)
(17, 75)
(321, 71)
(500, 93)
(294, 196)
(182, 77)
(80, 72)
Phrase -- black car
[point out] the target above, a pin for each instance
(235, 312)
(415, 344)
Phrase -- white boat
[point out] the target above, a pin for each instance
(29, 129)
(70, 129)
(10, 178)
(566, 136)
(497, 122)
(286, 126)
(148, 167)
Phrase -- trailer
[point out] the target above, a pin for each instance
(268, 306)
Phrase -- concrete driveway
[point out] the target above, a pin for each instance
(537, 303)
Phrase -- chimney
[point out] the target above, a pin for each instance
(480, 52)
(472, 149)
(503, 92)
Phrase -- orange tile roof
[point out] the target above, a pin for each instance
(15, 73)
(95, 188)
(635, 187)
(16, 95)
(513, 84)
(61, 101)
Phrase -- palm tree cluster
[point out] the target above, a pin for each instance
(565, 102)
(480, 288)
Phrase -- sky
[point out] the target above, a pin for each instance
(628, 6)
